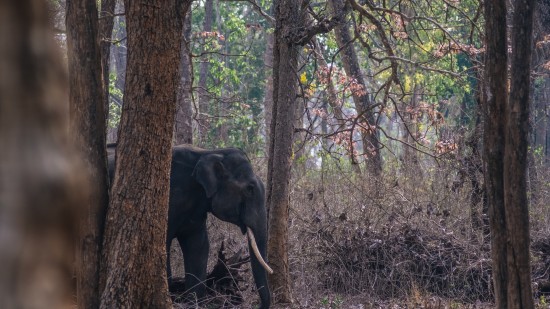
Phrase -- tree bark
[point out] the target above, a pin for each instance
(285, 84)
(184, 113)
(88, 127)
(204, 97)
(520, 293)
(135, 233)
(41, 186)
(363, 104)
(495, 98)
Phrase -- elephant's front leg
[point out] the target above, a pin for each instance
(195, 249)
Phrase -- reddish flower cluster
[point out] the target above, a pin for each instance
(344, 140)
(320, 112)
(445, 146)
(417, 112)
(210, 34)
(366, 127)
(454, 48)
(400, 24)
(349, 84)
(366, 28)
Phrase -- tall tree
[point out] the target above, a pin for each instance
(495, 98)
(41, 187)
(290, 34)
(505, 151)
(135, 231)
(520, 294)
(285, 84)
(88, 125)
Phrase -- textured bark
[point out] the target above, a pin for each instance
(184, 112)
(520, 294)
(363, 104)
(285, 84)
(40, 184)
(135, 233)
(495, 98)
(88, 124)
(204, 97)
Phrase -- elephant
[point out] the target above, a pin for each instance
(223, 183)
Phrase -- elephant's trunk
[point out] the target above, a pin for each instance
(257, 242)
(256, 251)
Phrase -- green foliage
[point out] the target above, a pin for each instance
(115, 102)
(543, 303)
(331, 302)
(236, 83)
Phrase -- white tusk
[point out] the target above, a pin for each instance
(256, 251)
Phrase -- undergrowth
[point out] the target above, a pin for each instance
(402, 241)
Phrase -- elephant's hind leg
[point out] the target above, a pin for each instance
(195, 249)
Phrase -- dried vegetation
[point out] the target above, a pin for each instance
(404, 242)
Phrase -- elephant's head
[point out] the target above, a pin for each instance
(237, 195)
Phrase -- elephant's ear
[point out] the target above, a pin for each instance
(209, 172)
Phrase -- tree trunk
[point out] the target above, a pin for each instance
(363, 104)
(285, 84)
(41, 187)
(135, 233)
(520, 294)
(184, 113)
(495, 98)
(204, 97)
(88, 126)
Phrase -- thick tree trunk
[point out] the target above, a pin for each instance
(184, 112)
(520, 293)
(363, 104)
(204, 97)
(285, 84)
(495, 98)
(88, 126)
(135, 233)
(41, 184)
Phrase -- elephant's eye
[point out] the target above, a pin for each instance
(249, 190)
